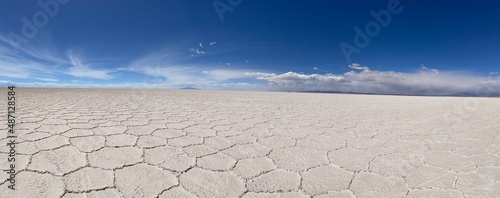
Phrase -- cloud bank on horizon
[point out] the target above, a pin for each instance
(424, 82)
(177, 44)
(171, 69)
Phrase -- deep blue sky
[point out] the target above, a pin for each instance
(133, 43)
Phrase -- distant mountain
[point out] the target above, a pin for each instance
(189, 88)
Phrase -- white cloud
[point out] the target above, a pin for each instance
(5, 82)
(196, 51)
(225, 74)
(358, 66)
(20, 63)
(48, 79)
(43, 63)
(292, 78)
(425, 82)
(14, 71)
(169, 68)
(213, 43)
(178, 70)
(84, 71)
(423, 68)
(75, 85)
(315, 68)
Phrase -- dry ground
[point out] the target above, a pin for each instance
(169, 143)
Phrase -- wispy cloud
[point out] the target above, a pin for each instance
(48, 79)
(176, 69)
(79, 69)
(44, 63)
(75, 84)
(16, 64)
(425, 82)
(225, 74)
(196, 51)
(5, 82)
(358, 66)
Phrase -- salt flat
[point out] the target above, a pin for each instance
(171, 143)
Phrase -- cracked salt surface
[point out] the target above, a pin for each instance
(166, 143)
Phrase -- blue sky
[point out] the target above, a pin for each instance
(425, 47)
